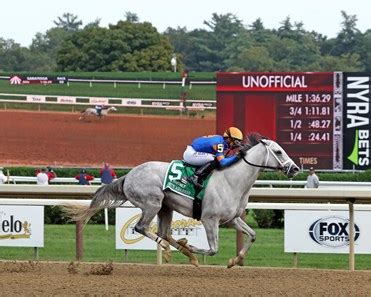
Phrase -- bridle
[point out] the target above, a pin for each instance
(283, 166)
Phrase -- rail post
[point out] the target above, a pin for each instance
(351, 233)
(79, 240)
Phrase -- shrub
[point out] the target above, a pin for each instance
(268, 218)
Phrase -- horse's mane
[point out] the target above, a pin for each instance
(251, 140)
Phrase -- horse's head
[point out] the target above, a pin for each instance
(272, 155)
(277, 158)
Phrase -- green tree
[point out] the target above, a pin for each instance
(346, 63)
(47, 45)
(367, 50)
(126, 46)
(13, 57)
(131, 17)
(255, 58)
(68, 22)
(347, 41)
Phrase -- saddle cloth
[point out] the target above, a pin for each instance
(176, 180)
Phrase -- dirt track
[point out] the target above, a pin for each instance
(145, 280)
(39, 138)
(60, 139)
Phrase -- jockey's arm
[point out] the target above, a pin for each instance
(226, 161)
(221, 158)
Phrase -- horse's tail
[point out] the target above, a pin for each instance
(107, 196)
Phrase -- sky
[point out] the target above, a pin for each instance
(21, 20)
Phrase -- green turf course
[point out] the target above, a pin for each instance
(99, 245)
(170, 91)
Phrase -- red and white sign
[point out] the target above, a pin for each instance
(15, 80)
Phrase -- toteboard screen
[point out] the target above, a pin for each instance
(301, 111)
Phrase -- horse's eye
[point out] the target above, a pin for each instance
(278, 153)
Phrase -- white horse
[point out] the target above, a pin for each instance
(93, 112)
(225, 198)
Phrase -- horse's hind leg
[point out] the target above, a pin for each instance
(240, 225)
(165, 217)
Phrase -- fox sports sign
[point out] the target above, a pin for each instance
(332, 231)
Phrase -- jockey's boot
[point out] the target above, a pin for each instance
(201, 173)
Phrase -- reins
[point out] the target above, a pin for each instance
(262, 166)
(280, 167)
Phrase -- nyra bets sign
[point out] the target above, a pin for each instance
(326, 231)
(22, 226)
(181, 227)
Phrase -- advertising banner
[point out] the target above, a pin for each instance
(22, 226)
(98, 101)
(131, 102)
(181, 227)
(356, 117)
(66, 100)
(326, 232)
(25, 80)
(36, 98)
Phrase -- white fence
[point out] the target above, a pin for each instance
(341, 195)
(266, 183)
(169, 104)
(128, 81)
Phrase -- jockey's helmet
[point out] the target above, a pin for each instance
(234, 135)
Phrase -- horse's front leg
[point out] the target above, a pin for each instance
(212, 233)
(240, 225)
(165, 216)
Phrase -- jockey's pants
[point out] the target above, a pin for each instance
(196, 158)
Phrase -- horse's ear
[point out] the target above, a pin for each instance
(263, 141)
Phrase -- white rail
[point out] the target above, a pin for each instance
(191, 104)
(57, 180)
(340, 195)
(268, 183)
(133, 81)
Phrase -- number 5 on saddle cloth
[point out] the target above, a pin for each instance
(176, 180)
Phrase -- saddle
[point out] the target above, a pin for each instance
(176, 180)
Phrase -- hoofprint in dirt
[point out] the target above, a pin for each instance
(39, 278)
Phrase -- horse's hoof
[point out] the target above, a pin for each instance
(194, 261)
(167, 256)
(182, 241)
(231, 263)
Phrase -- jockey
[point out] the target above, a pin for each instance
(98, 109)
(208, 152)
